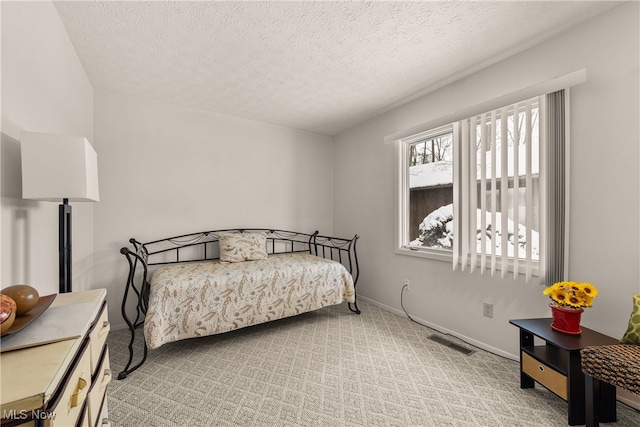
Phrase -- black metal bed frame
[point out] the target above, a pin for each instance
(204, 246)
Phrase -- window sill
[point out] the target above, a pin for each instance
(448, 257)
(426, 253)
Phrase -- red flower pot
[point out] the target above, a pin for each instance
(566, 320)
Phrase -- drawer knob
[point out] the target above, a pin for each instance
(105, 328)
(106, 378)
(75, 399)
(541, 368)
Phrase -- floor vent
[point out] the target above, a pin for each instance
(451, 344)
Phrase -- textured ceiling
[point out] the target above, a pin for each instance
(318, 66)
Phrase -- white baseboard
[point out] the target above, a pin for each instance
(119, 326)
(441, 329)
(622, 395)
(628, 398)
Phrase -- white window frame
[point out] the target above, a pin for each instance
(400, 139)
(402, 195)
(461, 213)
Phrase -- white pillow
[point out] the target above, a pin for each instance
(238, 247)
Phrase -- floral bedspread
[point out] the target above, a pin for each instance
(205, 298)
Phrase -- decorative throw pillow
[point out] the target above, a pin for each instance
(238, 247)
(632, 336)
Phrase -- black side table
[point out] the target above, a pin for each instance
(556, 366)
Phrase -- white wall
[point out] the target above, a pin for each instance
(167, 170)
(162, 167)
(604, 219)
(44, 89)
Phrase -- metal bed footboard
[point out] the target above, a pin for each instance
(203, 246)
(342, 251)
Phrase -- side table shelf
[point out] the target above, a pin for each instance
(546, 365)
(556, 365)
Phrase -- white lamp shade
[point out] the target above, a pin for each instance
(56, 167)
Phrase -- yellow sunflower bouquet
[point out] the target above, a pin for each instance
(572, 294)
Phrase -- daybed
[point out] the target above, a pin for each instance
(216, 281)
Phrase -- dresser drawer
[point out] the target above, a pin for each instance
(548, 377)
(72, 402)
(98, 337)
(99, 388)
(83, 420)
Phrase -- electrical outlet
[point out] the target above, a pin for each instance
(407, 283)
(487, 309)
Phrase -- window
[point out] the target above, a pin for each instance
(475, 191)
(430, 189)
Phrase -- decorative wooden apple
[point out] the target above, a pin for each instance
(25, 296)
(8, 309)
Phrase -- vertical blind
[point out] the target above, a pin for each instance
(556, 186)
(509, 190)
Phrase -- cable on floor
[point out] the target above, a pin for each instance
(435, 338)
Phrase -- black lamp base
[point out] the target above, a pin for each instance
(64, 246)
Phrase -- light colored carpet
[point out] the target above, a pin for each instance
(328, 368)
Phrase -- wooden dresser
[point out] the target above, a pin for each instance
(63, 383)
